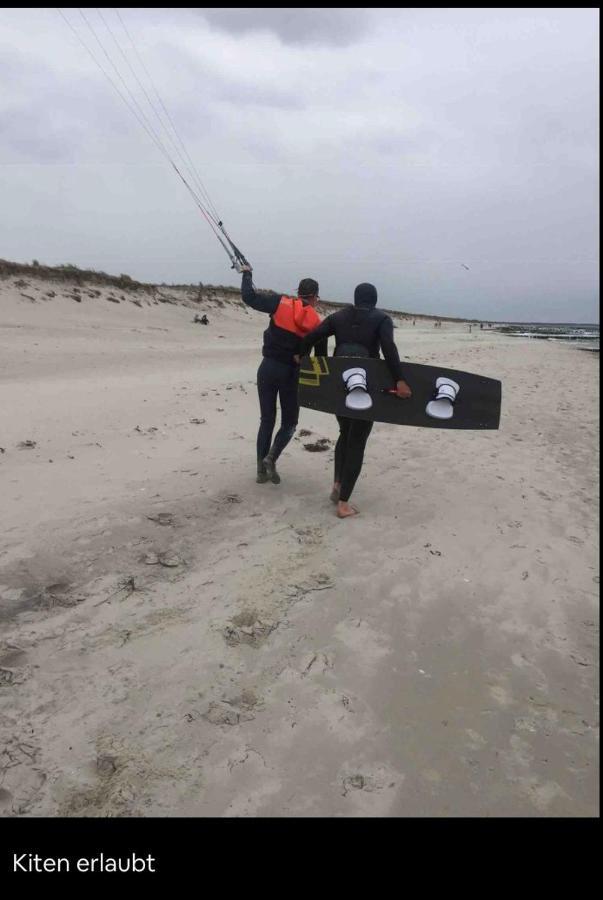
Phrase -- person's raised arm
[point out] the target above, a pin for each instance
(267, 303)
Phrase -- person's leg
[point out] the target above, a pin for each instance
(287, 390)
(354, 457)
(267, 391)
(340, 448)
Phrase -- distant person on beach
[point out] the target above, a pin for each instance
(290, 319)
(359, 330)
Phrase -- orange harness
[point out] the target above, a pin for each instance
(292, 315)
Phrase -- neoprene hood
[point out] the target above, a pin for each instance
(365, 295)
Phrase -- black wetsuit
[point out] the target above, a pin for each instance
(277, 374)
(360, 330)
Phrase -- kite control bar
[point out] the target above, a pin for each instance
(236, 257)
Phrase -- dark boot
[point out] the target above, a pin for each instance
(271, 473)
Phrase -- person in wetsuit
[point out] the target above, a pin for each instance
(360, 330)
(290, 319)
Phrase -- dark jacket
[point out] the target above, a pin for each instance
(280, 343)
(359, 331)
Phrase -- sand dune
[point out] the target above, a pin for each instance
(178, 640)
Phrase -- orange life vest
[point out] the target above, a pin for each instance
(292, 315)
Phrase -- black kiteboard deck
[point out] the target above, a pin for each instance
(322, 387)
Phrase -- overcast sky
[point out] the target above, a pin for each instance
(397, 146)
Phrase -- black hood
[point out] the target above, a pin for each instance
(365, 296)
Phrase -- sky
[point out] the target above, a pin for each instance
(447, 155)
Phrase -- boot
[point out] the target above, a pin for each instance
(271, 472)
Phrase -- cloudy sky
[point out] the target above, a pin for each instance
(448, 155)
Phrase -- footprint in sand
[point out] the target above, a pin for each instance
(11, 655)
(317, 663)
(8, 677)
(163, 518)
(310, 535)
(227, 499)
(59, 594)
(234, 710)
(372, 779)
(248, 628)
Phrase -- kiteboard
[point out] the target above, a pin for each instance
(363, 388)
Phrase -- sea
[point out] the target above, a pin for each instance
(582, 336)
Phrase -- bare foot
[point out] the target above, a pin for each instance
(334, 495)
(345, 510)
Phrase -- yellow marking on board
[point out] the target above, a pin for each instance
(311, 377)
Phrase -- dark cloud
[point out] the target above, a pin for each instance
(294, 25)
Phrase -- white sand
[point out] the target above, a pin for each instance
(435, 656)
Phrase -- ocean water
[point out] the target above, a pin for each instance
(584, 336)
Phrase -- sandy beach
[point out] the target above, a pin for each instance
(177, 640)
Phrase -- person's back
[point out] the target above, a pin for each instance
(290, 319)
(359, 330)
